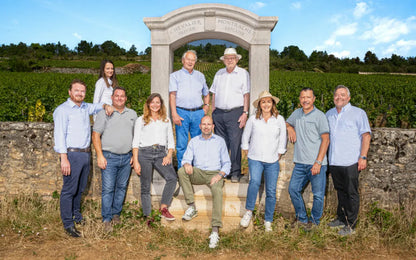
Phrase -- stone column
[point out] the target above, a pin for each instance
(162, 65)
(259, 70)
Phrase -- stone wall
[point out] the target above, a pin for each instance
(28, 164)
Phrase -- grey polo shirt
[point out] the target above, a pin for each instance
(309, 128)
(116, 130)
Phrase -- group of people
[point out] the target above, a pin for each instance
(122, 140)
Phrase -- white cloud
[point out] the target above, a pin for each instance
(341, 54)
(385, 30)
(257, 5)
(76, 35)
(401, 46)
(361, 9)
(296, 5)
(125, 44)
(348, 29)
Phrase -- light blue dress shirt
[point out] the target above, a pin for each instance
(72, 125)
(189, 87)
(346, 130)
(309, 128)
(208, 154)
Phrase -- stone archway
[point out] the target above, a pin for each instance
(210, 21)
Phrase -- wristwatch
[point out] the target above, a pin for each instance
(318, 162)
(245, 112)
(363, 157)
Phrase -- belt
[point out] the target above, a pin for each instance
(190, 109)
(154, 146)
(228, 110)
(79, 150)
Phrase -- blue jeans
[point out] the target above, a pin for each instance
(271, 173)
(115, 178)
(190, 124)
(73, 186)
(300, 176)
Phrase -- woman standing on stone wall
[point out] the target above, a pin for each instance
(265, 139)
(105, 83)
(153, 136)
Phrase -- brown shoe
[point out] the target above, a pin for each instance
(116, 220)
(108, 228)
(166, 214)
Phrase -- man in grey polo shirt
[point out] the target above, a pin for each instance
(112, 138)
(308, 128)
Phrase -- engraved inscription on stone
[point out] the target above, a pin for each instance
(233, 27)
(185, 28)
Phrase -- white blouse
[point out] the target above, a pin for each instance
(264, 140)
(155, 132)
(103, 93)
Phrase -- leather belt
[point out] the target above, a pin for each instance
(190, 109)
(227, 110)
(79, 150)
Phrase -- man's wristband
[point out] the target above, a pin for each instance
(222, 176)
(206, 104)
(363, 157)
(245, 112)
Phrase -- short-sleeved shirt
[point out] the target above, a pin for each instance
(116, 130)
(346, 129)
(309, 128)
(189, 88)
(230, 88)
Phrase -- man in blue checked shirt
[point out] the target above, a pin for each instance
(206, 161)
(72, 135)
(186, 87)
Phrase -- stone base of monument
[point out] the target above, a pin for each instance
(233, 208)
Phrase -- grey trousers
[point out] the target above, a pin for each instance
(150, 158)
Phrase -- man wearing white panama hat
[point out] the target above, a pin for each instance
(230, 102)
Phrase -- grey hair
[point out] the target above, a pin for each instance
(191, 51)
(344, 87)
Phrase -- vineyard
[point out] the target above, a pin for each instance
(389, 100)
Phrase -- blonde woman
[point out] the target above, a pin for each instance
(153, 148)
(264, 138)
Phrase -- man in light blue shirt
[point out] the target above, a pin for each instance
(72, 134)
(308, 128)
(350, 136)
(186, 87)
(206, 161)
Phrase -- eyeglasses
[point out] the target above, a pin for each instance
(229, 58)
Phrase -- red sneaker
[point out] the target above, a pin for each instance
(166, 214)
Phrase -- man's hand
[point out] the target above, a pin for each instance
(108, 109)
(102, 162)
(242, 120)
(177, 120)
(362, 164)
(137, 168)
(316, 169)
(167, 160)
(188, 168)
(65, 166)
(291, 134)
(216, 179)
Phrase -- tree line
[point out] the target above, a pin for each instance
(290, 58)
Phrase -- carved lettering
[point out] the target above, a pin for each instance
(234, 27)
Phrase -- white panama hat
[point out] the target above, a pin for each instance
(231, 51)
(265, 94)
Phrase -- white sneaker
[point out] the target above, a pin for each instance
(190, 213)
(245, 221)
(268, 226)
(213, 240)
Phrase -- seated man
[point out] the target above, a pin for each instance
(211, 163)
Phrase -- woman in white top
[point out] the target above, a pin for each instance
(153, 136)
(265, 139)
(105, 83)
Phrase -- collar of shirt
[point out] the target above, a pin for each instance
(187, 72)
(346, 107)
(72, 104)
(203, 139)
(313, 109)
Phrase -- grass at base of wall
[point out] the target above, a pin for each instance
(31, 227)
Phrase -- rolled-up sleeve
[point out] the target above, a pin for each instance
(282, 136)
(137, 132)
(225, 158)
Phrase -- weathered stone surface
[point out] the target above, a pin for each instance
(29, 164)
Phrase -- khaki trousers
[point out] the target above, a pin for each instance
(201, 177)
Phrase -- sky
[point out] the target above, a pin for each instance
(344, 28)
